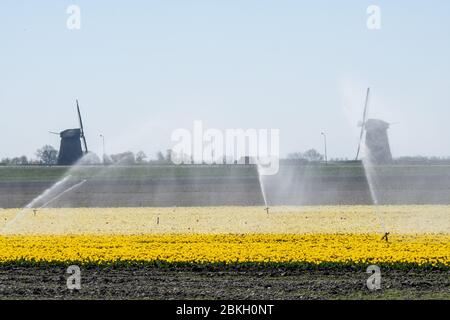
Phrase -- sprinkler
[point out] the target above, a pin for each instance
(157, 220)
(385, 237)
(34, 211)
(267, 210)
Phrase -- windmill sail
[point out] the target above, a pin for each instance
(363, 123)
(82, 129)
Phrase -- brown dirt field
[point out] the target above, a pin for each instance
(19, 282)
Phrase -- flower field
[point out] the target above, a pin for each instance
(427, 219)
(312, 249)
(312, 235)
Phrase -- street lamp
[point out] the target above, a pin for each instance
(212, 151)
(325, 146)
(104, 154)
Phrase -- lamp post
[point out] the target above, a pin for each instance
(212, 151)
(325, 146)
(104, 154)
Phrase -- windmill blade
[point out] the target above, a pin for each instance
(363, 124)
(82, 128)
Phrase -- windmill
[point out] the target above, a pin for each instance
(376, 138)
(70, 150)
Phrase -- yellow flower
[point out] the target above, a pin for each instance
(256, 248)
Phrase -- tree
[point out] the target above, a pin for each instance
(19, 161)
(124, 158)
(140, 157)
(5, 161)
(47, 155)
(312, 155)
(309, 155)
(24, 160)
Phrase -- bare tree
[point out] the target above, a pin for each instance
(47, 155)
(310, 155)
(140, 157)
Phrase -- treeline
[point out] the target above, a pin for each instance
(130, 158)
(47, 155)
(17, 161)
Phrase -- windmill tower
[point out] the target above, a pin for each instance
(376, 138)
(70, 150)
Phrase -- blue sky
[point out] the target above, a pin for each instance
(141, 69)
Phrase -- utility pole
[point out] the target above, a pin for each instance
(212, 151)
(325, 146)
(104, 154)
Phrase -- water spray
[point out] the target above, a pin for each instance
(42, 196)
(262, 187)
(368, 162)
(62, 193)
